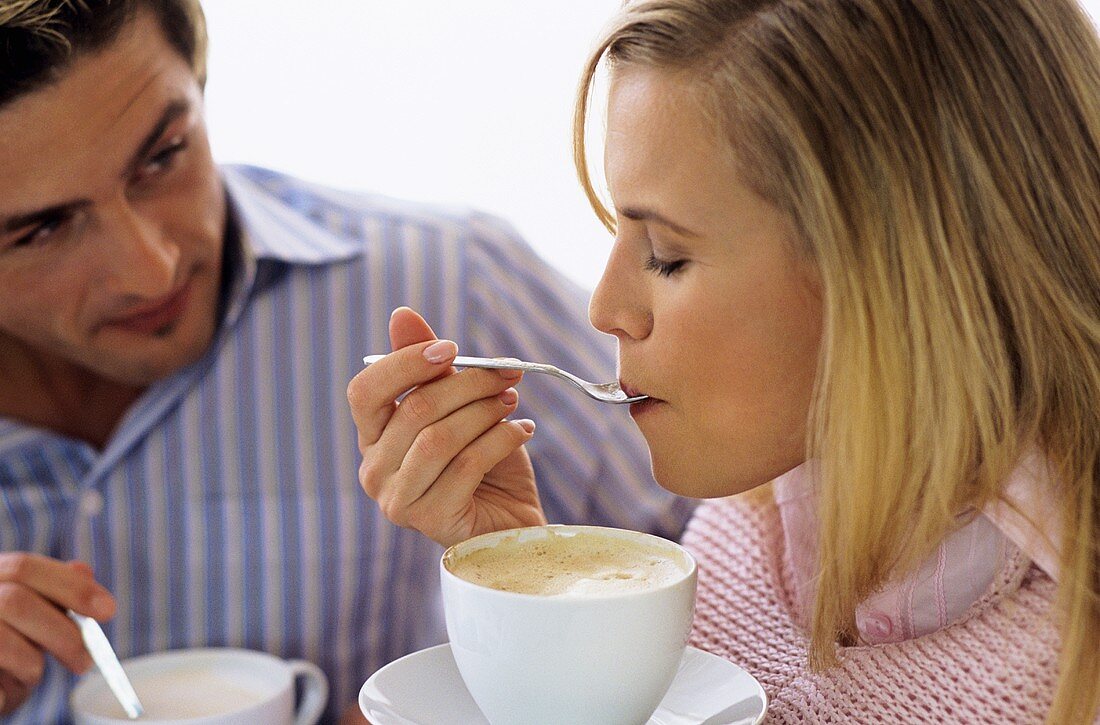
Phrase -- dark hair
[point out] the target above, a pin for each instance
(39, 39)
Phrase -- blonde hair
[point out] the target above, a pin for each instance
(941, 161)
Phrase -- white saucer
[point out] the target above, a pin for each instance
(424, 688)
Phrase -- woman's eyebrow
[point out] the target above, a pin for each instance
(642, 214)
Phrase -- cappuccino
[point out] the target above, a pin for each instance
(571, 564)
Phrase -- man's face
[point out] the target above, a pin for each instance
(112, 215)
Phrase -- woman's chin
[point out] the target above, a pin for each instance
(701, 484)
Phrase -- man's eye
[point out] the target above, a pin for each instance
(39, 234)
(662, 267)
(162, 160)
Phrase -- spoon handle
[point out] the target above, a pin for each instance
(502, 363)
(489, 363)
(107, 661)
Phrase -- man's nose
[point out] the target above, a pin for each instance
(619, 305)
(137, 256)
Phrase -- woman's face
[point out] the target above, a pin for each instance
(717, 315)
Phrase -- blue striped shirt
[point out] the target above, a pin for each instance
(225, 509)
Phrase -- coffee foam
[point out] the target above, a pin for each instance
(577, 565)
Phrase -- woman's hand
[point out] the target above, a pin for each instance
(443, 460)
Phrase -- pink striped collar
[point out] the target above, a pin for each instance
(963, 568)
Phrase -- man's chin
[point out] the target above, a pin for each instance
(143, 371)
(132, 375)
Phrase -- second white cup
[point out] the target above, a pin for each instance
(213, 686)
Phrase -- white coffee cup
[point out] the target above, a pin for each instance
(215, 686)
(599, 657)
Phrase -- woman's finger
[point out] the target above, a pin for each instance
(373, 393)
(424, 406)
(465, 473)
(407, 327)
(435, 446)
(429, 404)
(371, 407)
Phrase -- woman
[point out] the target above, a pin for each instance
(857, 254)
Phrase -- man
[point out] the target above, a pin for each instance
(176, 454)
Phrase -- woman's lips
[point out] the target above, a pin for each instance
(155, 317)
(641, 406)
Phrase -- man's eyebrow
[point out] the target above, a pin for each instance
(641, 214)
(172, 111)
(19, 221)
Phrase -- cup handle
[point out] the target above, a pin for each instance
(314, 692)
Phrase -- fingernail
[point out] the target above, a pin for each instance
(396, 310)
(509, 396)
(510, 374)
(440, 351)
(527, 424)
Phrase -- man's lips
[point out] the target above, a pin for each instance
(154, 316)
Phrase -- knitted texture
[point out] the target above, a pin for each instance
(996, 664)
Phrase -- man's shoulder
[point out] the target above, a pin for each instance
(363, 214)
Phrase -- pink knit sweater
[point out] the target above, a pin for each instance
(996, 664)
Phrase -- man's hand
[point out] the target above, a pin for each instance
(35, 591)
(442, 461)
(353, 716)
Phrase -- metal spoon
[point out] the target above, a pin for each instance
(603, 392)
(107, 661)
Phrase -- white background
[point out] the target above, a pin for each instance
(456, 101)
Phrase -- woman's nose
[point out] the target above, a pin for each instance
(619, 304)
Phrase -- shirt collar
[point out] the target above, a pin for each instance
(956, 575)
(1028, 511)
(269, 217)
(275, 222)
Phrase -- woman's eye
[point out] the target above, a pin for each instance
(662, 267)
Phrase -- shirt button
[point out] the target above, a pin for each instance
(91, 503)
(875, 627)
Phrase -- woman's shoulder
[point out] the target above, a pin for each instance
(998, 661)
